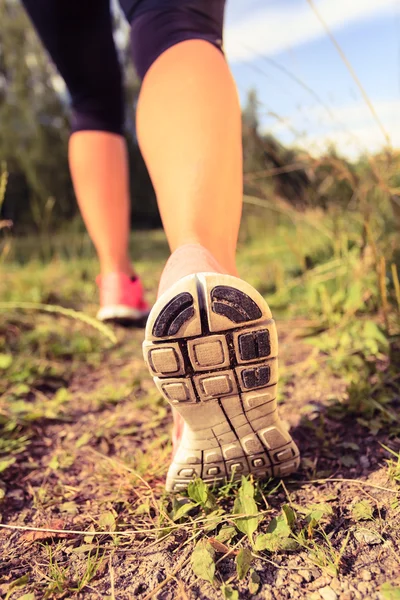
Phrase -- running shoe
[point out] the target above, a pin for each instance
(211, 346)
(122, 299)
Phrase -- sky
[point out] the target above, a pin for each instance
(307, 95)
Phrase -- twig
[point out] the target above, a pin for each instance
(112, 577)
(351, 481)
(274, 564)
(206, 520)
(66, 312)
(396, 284)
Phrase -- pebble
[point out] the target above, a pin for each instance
(327, 593)
(319, 583)
(297, 578)
(364, 462)
(367, 537)
(314, 596)
(306, 575)
(346, 596)
(280, 579)
(363, 587)
(336, 585)
(315, 573)
(366, 575)
(293, 563)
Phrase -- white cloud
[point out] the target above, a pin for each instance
(353, 132)
(279, 26)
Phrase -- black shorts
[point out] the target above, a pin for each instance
(78, 36)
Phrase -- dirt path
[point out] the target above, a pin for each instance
(101, 464)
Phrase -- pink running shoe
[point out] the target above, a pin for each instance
(122, 299)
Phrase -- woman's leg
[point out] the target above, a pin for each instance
(210, 339)
(191, 142)
(189, 130)
(78, 36)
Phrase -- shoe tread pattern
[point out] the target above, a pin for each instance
(223, 383)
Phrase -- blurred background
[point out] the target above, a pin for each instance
(319, 87)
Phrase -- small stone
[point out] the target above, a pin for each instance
(364, 462)
(327, 593)
(319, 583)
(306, 575)
(293, 563)
(363, 587)
(336, 585)
(366, 575)
(367, 537)
(314, 596)
(297, 578)
(345, 585)
(280, 579)
(315, 573)
(346, 596)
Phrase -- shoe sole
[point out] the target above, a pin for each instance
(211, 347)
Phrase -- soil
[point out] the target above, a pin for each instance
(84, 465)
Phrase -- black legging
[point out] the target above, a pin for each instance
(78, 37)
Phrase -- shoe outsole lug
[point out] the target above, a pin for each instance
(217, 365)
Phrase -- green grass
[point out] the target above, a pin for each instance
(83, 424)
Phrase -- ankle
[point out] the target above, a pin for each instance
(115, 266)
(186, 260)
(223, 255)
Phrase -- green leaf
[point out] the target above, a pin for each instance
(254, 582)
(144, 508)
(348, 461)
(266, 541)
(5, 360)
(200, 493)
(289, 515)
(350, 445)
(84, 439)
(5, 463)
(182, 510)
(390, 592)
(107, 521)
(243, 562)
(315, 516)
(273, 542)
(68, 507)
(202, 560)
(277, 536)
(245, 504)
(226, 534)
(17, 583)
(362, 511)
(279, 526)
(213, 519)
(229, 593)
(21, 389)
